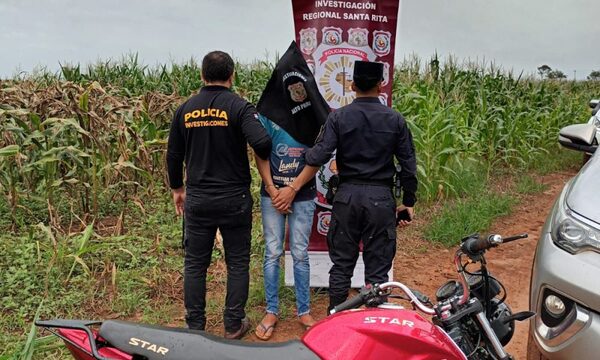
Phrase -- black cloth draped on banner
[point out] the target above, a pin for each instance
(292, 99)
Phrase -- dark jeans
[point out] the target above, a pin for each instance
(367, 213)
(232, 215)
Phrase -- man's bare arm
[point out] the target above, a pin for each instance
(264, 169)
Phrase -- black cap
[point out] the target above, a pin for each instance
(368, 71)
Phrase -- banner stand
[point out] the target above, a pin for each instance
(332, 35)
(319, 270)
(318, 256)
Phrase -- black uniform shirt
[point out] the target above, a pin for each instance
(367, 134)
(209, 132)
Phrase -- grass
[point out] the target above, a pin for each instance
(479, 203)
(148, 265)
(528, 185)
(137, 276)
(467, 216)
(559, 159)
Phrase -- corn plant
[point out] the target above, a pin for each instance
(92, 138)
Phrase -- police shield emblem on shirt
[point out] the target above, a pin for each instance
(297, 92)
(292, 100)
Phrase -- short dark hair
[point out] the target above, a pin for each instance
(217, 66)
(365, 85)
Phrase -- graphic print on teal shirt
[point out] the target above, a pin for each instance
(287, 160)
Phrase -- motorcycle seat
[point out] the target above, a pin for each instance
(165, 343)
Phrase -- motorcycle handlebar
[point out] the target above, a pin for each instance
(351, 303)
(471, 246)
(475, 245)
(515, 237)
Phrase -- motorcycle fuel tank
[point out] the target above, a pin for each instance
(380, 334)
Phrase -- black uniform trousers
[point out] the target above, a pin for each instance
(232, 215)
(367, 213)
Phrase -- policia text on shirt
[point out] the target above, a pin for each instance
(210, 133)
(210, 114)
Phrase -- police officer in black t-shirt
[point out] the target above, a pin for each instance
(209, 133)
(367, 136)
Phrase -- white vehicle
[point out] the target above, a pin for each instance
(565, 279)
(594, 120)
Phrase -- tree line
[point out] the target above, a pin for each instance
(546, 72)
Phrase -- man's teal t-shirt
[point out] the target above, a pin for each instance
(287, 160)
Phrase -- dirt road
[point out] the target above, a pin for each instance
(510, 263)
(424, 266)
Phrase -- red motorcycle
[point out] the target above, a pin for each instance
(469, 321)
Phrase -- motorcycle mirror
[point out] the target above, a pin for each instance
(594, 103)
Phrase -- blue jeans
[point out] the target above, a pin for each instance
(300, 225)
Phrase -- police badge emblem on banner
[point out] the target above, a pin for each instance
(332, 36)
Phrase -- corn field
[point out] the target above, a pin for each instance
(83, 151)
(79, 142)
(472, 119)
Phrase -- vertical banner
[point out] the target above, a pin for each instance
(332, 35)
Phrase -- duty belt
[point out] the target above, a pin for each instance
(335, 181)
(348, 180)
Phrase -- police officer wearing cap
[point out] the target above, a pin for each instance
(367, 136)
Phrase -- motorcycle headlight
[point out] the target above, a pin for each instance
(573, 235)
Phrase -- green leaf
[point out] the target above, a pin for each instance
(9, 150)
(156, 142)
(85, 238)
(35, 120)
(84, 101)
(45, 160)
(59, 125)
(27, 352)
(78, 260)
(18, 112)
(45, 229)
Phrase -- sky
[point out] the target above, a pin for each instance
(515, 34)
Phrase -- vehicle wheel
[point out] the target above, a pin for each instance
(533, 353)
